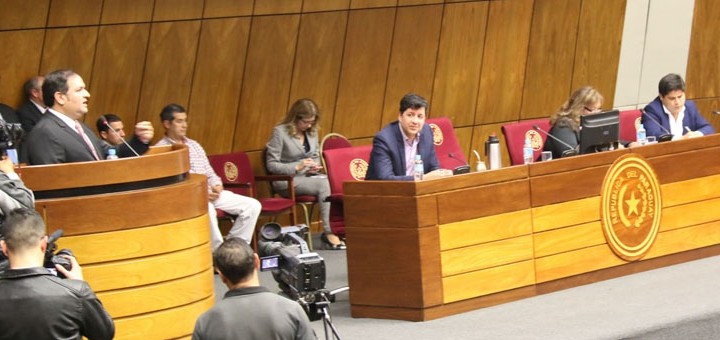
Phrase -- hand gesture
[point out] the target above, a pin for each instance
(144, 131)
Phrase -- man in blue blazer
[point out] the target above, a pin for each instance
(395, 146)
(678, 116)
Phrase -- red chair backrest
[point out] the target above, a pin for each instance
(516, 133)
(346, 164)
(447, 147)
(628, 121)
(234, 168)
(334, 141)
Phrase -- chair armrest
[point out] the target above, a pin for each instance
(279, 178)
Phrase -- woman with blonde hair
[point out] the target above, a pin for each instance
(566, 121)
(293, 150)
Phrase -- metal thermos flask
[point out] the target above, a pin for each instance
(492, 151)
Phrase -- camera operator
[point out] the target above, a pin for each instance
(248, 310)
(34, 303)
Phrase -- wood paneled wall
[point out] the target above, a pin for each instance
(237, 65)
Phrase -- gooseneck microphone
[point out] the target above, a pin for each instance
(662, 138)
(118, 135)
(462, 169)
(571, 151)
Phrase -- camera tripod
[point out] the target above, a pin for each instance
(321, 307)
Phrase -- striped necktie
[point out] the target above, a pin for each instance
(90, 145)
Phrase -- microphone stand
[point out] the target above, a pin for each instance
(105, 122)
(662, 138)
(571, 151)
(462, 169)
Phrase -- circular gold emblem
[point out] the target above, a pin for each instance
(631, 207)
(535, 139)
(231, 171)
(358, 168)
(437, 134)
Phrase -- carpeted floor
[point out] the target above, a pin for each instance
(677, 302)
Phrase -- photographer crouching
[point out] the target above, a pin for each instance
(36, 304)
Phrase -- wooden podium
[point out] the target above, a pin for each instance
(424, 250)
(139, 228)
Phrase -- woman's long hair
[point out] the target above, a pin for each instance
(302, 109)
(569, 113)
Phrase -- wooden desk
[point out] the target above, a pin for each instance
(424, 250)
(139, 228)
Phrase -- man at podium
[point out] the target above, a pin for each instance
(60, 136)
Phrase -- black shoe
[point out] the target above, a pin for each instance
(329, 246)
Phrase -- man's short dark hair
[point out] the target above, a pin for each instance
(111, 118)
(55, 81)
(669, 83)
(169, 111)
(412, 101)
(23, 229)
(234, 259)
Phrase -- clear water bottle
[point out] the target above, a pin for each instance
(528, 153)
(419, 169)
(112, 154)
(641, 135)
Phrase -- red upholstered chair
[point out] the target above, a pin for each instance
(344, 164)
(306, 202)
(516, 133)
(628, 122)
(237, 176)
(448, 150)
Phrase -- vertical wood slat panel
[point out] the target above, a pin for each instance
(703, 66)
(168, 68)
(325, 5)
(121, 50)
(411, 66)
(364, 72)
(20, 61)
(217, 82)
(228, 8)
(459, 62)
(74, 12)
(17, 14)
(265, 90)
(69, 48)
(178, 9)
(551, 53)
(126, 11)
(503, 67)
(598, 46)
(277, 7)
(317, 63)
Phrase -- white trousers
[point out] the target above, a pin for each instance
(246, 211)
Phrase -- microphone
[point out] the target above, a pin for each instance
(662, 138)
(462, 169)
(571, 151)
(118, 135)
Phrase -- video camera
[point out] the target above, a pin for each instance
(300, 274)
(52, 258)
(10, 135)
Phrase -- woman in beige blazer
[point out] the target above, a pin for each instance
(293, 150)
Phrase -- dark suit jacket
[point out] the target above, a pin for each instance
(51, 141)
(693, 119)
(29, 115)
(387, 159)
(8, 114)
